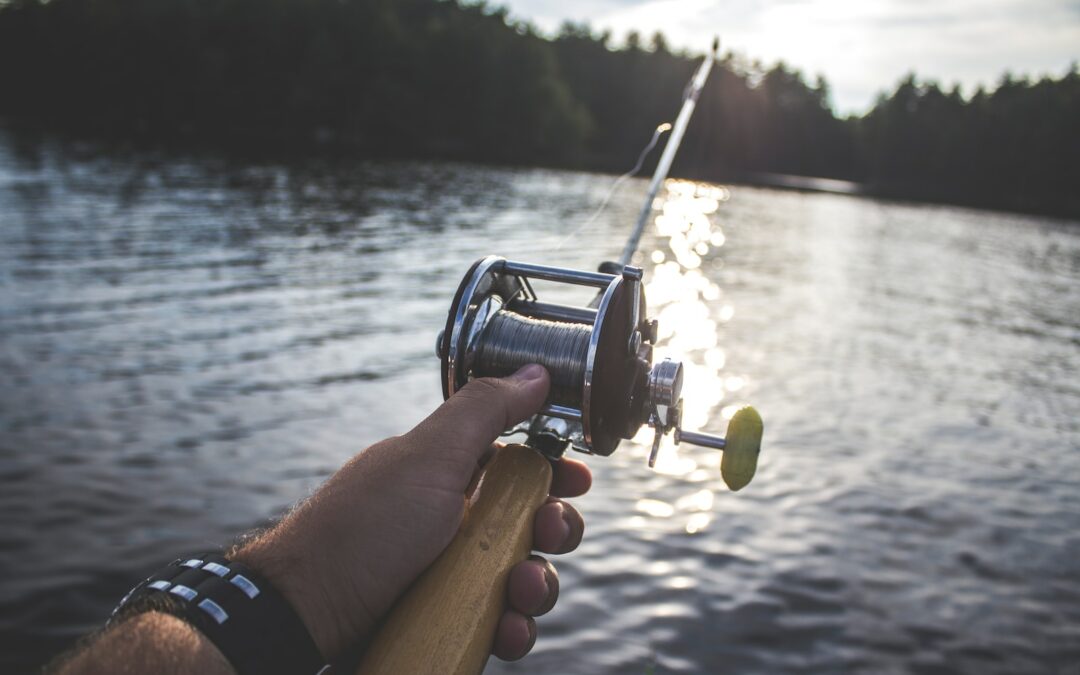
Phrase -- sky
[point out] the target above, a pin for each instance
(862, 47)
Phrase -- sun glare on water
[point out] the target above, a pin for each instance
(691, 311)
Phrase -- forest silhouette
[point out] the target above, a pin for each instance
(441, 79)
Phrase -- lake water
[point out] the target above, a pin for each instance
(189, 345)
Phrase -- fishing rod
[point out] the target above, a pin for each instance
(604, 388)
(690, 97)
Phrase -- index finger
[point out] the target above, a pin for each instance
(570, 478)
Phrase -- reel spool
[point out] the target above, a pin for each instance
(604, 385)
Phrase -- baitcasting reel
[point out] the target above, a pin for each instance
(604, 385)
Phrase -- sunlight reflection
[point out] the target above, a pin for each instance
(698, 522)
(655, 508)
(660, 567)
(669, 609)
(699, 476)
(728, 411)
(734, 383)
(681, 582)
(670, 463)
(691, 310)
(702, 500)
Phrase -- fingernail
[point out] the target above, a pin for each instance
(532, 635)
(551, 588)
(565, 524)
(547, 593)
(533, 371)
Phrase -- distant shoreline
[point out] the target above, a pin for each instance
(854, 189)
(79, 144)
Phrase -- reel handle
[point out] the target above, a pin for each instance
(741, 446)
(446, 621)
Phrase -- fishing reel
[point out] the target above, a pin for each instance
(604, 384)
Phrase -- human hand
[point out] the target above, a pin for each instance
(344, 556)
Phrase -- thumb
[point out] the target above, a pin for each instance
(468, 422)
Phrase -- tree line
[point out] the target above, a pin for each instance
(439, 78)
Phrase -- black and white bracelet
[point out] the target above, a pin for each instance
(237, 609)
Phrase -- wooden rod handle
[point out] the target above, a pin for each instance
(446, 621)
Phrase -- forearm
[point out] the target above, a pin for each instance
(151, 642)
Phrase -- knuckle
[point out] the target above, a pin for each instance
(481, 387)
(484, 396)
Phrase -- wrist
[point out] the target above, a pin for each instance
(297, 577)
(320, 558)
(235, 606)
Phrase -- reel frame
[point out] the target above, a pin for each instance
(620, 388)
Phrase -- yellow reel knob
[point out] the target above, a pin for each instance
(742, 447)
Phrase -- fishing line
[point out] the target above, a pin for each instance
(511, 341)
(660, 131)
